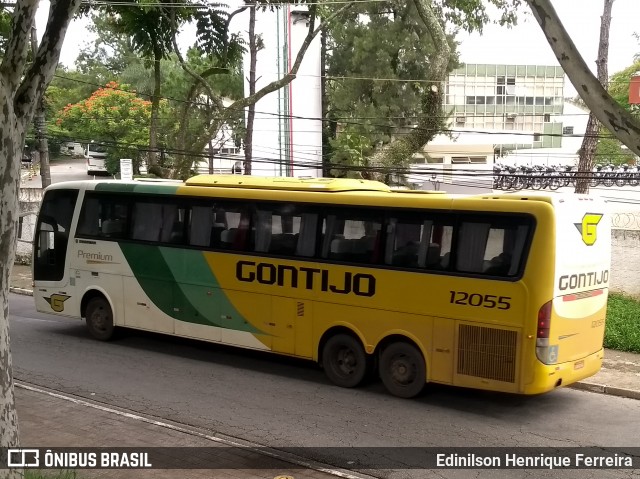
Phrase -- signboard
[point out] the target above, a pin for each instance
(126, 169)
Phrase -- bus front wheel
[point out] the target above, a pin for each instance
(344, 361)
(100, 319)
(402, 370)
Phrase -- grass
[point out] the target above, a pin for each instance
(622, 331)
(37, 474)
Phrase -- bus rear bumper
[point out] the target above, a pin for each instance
(550, 377)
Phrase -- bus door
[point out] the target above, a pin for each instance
(55, 287)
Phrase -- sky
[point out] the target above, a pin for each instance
(526, 44)
(523, 44)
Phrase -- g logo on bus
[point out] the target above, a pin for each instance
(56, 301)
(588, 228)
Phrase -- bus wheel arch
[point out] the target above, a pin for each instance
(402, 366)
(98, 312)
(343, 357)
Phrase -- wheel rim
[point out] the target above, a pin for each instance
(99, 319)
(403, 370)
(345, 362)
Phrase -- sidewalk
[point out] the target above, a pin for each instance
(50, 419)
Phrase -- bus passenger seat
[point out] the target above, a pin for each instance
(340, 249)
(216, 233)
(227, 237)
(433, 255)
(444, 261)
(112, 228)
(177, 232)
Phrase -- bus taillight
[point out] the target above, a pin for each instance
(544, 321)
(546, 354)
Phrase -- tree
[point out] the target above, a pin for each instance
(590, 140)
(434, 47)
(609, 149)
(114, 116)
(147, 24)
(21, 88)
(614, 117)
(229, 111)
(377, 61)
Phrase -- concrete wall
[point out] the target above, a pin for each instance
(625, 261)
(29, 202)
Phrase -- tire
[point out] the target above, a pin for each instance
(344, 361)
(100, 319)
(402, 370)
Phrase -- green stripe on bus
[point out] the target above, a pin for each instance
(196, 293)
(157, 188)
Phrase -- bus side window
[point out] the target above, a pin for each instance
(353, 238)
(472, 246)
(200, 226)
(492, 248)
(104, 217)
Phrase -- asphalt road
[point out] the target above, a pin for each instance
(281, 402)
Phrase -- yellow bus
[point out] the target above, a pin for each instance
(495, 292)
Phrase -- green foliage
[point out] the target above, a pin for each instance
(619, 88)
(114, 116)
(378, 65)
(5, 28)
(110, 52)
(622, 330)
(609, 149)
(349, 149)
(472, 15)
(373, 52)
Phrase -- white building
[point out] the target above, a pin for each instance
(287, 134)
(506, 113)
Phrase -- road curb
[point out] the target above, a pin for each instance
(23, 291)
(604, 389)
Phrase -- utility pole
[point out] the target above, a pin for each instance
(590, 141)
(251, 110)
(40, 126)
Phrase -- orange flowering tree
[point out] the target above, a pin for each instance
(113, 116)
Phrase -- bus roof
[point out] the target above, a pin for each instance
(287, 183)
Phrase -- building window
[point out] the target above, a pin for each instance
(547, 118)
(459, 159)
(537, 137)
(567, 130)
(435, 159)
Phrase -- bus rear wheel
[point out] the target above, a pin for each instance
(99, 319)
(402, 370)
(344, 361)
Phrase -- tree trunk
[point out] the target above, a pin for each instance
(21, 89)
(10, 159)
(155, 111)
(616, 119)
(590, 141)
(251, 110)
(326, 125)
(40, 127)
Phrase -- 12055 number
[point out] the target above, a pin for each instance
(480, 300)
